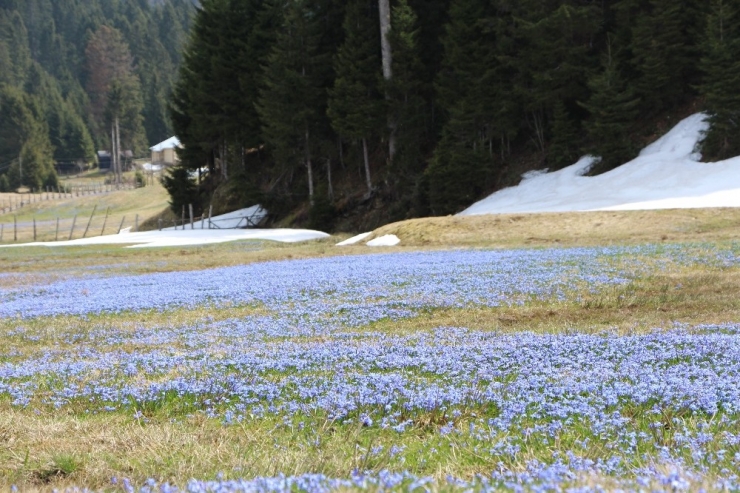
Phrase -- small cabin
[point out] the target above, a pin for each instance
(165, 153)
(104, 160)
(67, 167)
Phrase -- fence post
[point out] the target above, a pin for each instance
(210, 213)
(183, 217)
(56, 235)
(89, 222)
(15, 227)
(72, 230)
(136, 224)
(190, 206)
(121, 226)
(102, 231)
(34, 228)
(2, 227)
(159, 223)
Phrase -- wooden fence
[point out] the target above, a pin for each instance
(16, 201)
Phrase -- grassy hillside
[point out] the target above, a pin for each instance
(122, 206)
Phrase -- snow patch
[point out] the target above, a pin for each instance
(354, 239)
(666, 175)
(387, 240)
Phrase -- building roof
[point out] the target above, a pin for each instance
(171, 143)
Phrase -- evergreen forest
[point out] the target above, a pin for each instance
(358, 112)
(69, 68)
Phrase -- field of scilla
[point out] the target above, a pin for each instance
(542, 369)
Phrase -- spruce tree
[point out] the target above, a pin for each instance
(292, 100)
(191, 108)
(663, 49)
(406, 106)
(564, 147)
(556, 53)
(461, 166)
(181, 189)
(15, 37)
(721, 66)
(355, 105)
(24, 138)
(457, 175)
(613, 107)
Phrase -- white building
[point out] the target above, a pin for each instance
(165, 153)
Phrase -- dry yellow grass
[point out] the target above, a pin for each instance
(568, 228)
(705, 297)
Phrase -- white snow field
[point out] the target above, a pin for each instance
(188, 237)
(666, 175)
(196, 236)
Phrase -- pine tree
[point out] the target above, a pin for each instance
(355, 104)
(68, 133)
(564, 148)
(664, 47)
(14, 35)
(110, 64)
(721, 66)
(191, 107)
(292, 101)
(556, 40)
(461, 166)
(406, 106)
(24, 139)
(613, 107)
(181, 188)
(457, 175)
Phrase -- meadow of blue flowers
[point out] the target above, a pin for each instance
(537, 412)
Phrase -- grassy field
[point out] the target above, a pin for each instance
(598, 351)
(112, 210)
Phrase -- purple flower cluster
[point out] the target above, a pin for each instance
(394, 281)
(648, 401)
(537, 477)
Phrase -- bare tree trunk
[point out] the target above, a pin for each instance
(367, 166)
(118, 151)
(385, 45)
(384, 7)
(309, 167)
(224, 164)
(113, 166)
(328, 176)
(341, 153)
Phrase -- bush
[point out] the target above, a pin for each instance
(139, 179)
